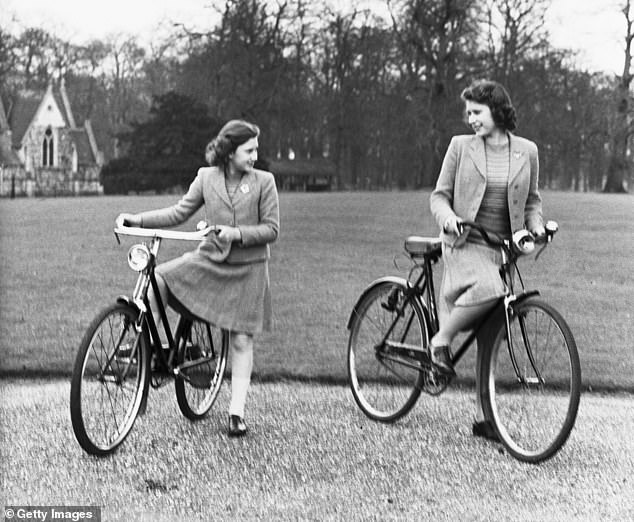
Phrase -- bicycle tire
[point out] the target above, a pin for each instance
(385, 390)
(533, 410)
(105, 397)
(197, 386)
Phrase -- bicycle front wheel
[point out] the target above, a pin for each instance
(533, 382)
(387, 335)
(202, 358)
(110, 375)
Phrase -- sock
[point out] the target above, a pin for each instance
(239, 389)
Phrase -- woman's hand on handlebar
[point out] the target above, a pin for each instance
(228, 234)
(453, 225)
(538, 232)
(128, 220)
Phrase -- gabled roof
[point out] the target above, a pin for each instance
(21, 113)
(85, 154)
(8, 156)
(26, 105)
(24, 109)
(61, 98)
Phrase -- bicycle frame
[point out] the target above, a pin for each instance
(147, 279)
(422, 290)
(527, 393)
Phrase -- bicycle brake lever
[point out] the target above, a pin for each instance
(539, 253)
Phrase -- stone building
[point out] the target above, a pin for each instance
(43, 152)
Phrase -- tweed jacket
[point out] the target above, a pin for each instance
(462, 182)
(254, 209)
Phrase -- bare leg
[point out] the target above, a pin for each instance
(486, 337)
(241, 367)
(458, 319)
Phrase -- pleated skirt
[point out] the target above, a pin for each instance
(235, 297)
(471, 275)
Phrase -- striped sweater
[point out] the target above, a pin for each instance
(494, 211)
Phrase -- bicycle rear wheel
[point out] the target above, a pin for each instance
(385, 377)
(202, 358)
(533, 383)
(110, 376)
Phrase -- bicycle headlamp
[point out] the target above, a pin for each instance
(523, 242)
(138, 257)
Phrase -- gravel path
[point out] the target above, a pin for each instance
(312, 455)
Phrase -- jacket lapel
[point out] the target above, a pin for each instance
(246, 186)
(519, 157)
(478, 155)
(218, 185)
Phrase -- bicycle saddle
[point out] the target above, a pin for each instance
(423, 246)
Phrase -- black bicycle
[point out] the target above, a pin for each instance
(121, 355)
(530, 373)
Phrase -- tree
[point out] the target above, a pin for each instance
(164, 151)
(7, 57)
(515, 32)
(35, 58)
(619, 164)
(435, 38)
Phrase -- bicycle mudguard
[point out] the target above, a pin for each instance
(388, 279)
(524, 296)
(124, 299)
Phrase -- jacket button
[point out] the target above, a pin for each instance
(514, 202)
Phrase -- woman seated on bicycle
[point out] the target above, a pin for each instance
(225, 280)
(491, 178)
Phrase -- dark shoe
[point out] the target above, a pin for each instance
(484, 429)
(237, 427)
(441, 359)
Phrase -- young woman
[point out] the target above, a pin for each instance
(226, 279)
(490, 177)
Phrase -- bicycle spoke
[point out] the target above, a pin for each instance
(201, 362)
(107, 383)
(534, 401)
(385, 389)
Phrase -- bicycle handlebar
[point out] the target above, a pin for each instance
(517, 241)
(199, 235)
(483, 231)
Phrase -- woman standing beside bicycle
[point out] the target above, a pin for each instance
(225, 281)
(491, 178)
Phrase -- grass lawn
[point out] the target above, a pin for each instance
(60, 263)
(311, 455)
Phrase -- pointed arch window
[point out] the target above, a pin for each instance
(48, 148)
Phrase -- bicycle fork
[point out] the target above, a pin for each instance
(509, 312)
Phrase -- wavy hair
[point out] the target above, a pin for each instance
(494, 95)
(231, 136)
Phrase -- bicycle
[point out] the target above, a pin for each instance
(530, 373)
(121, 354)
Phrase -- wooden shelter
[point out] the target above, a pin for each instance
(315, 174)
